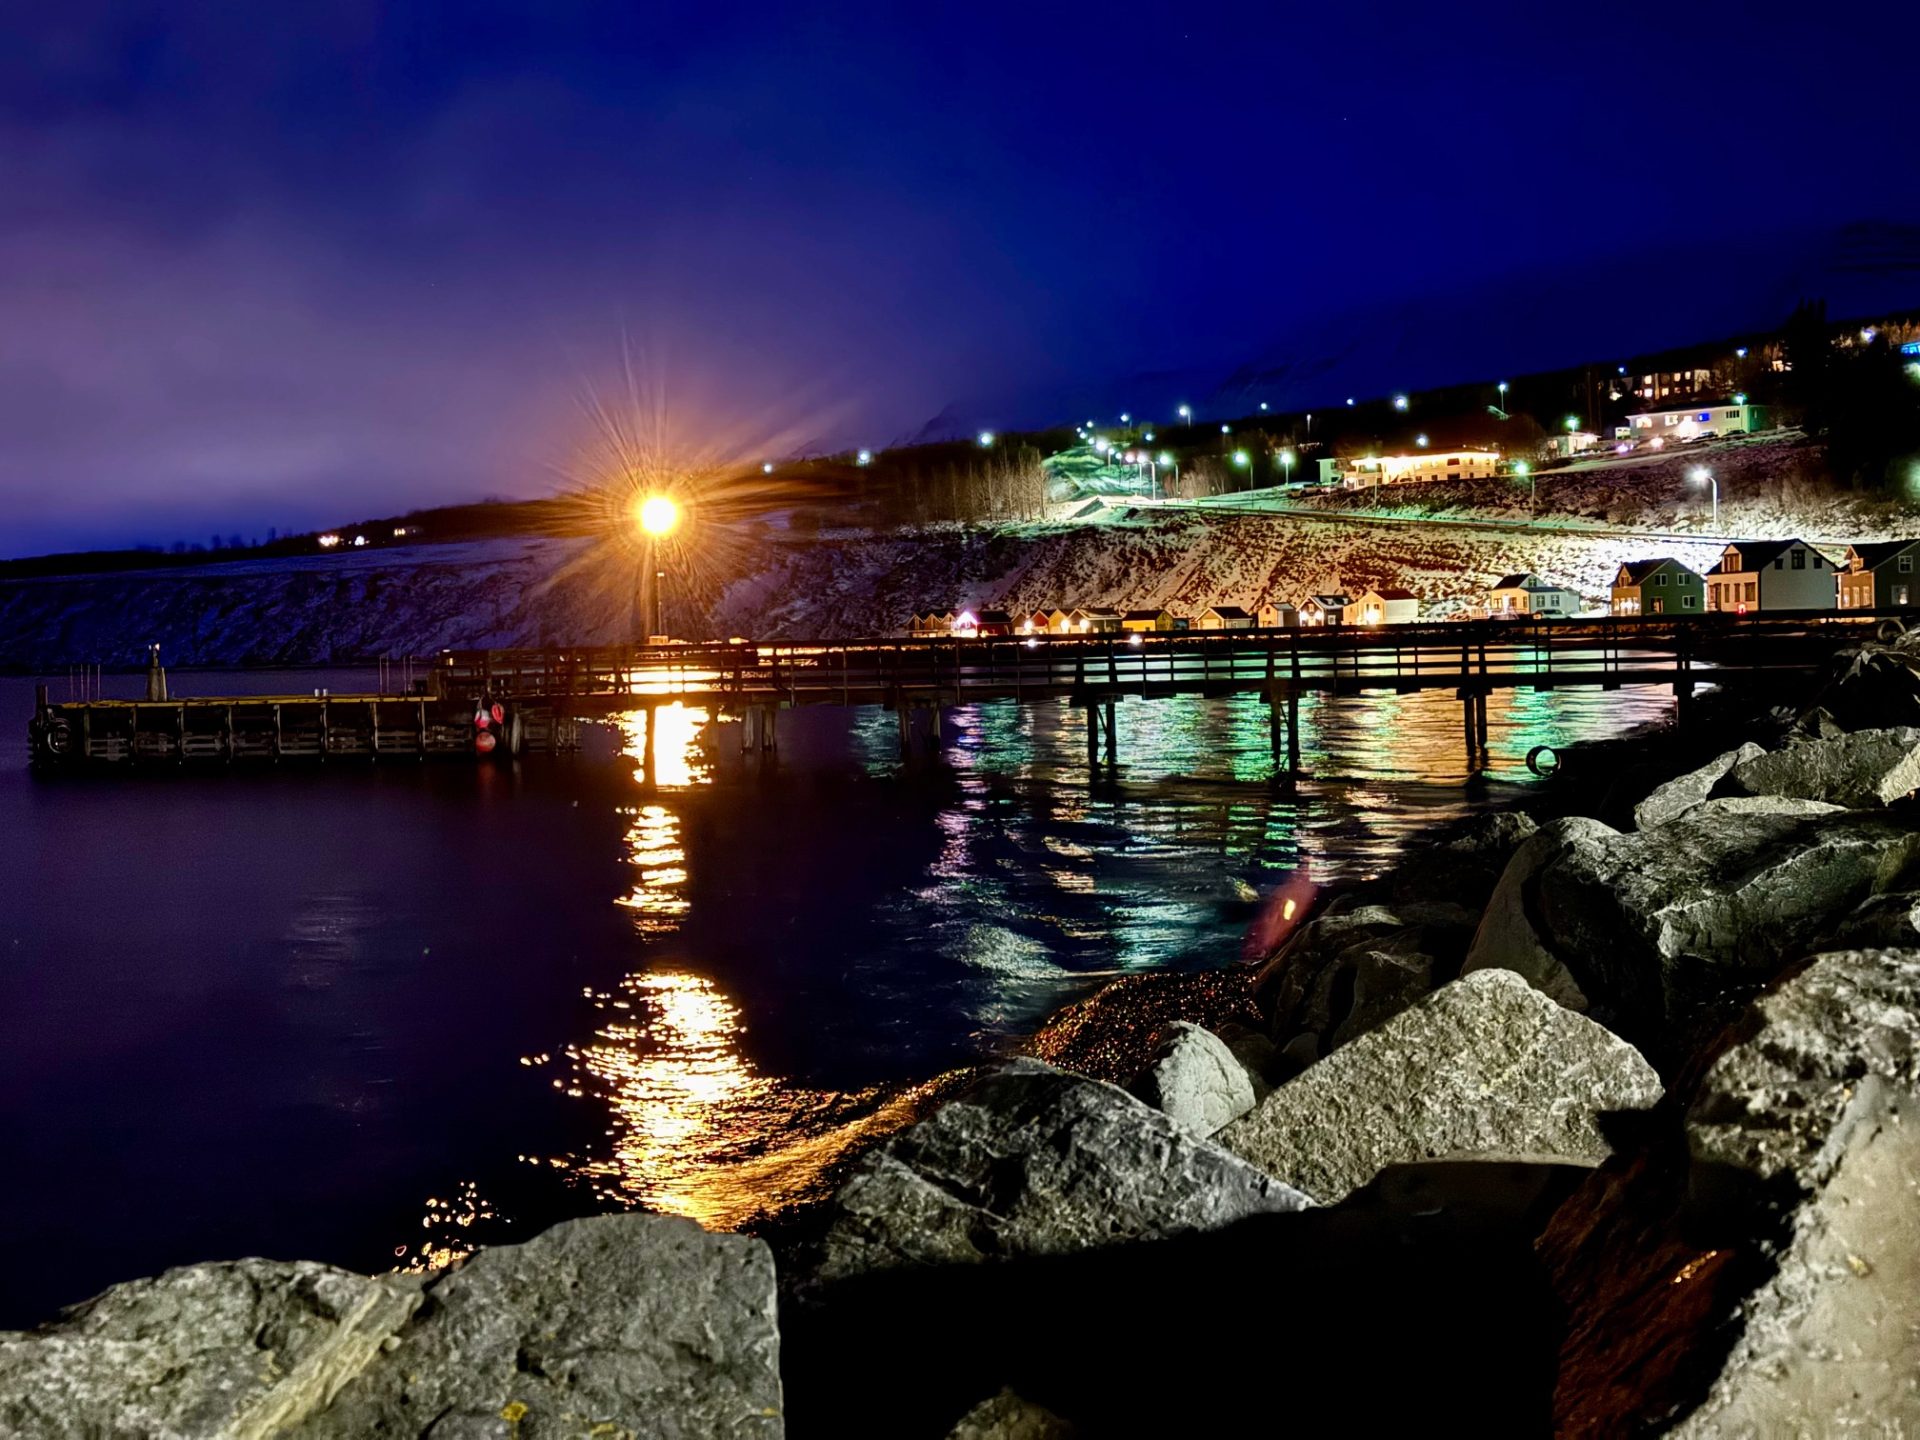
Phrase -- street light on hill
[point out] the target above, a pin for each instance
(1703, 474)
(1525, 472)
(658, 517)
(1186, 414)
(1286, 465)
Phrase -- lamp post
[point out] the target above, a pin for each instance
(1186, 414)
(1707, 475)
(658, 516)
(1520, 467)
(1243, 461)
(1167, 460)
(1286, 466)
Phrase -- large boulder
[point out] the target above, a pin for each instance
(1509, 936)
(1668, 931)
(1681, 794)
(1861, 771)
(1196, 1079)
(1349, 969)
(1035, 1161)
(1830, 1343)
(1485, 1066)
(1766, 1108)
(645, 1324)
(1007, 1417)
(245, 1348)
(1464, 865)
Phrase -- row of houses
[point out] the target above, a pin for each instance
(1386, 606)
(1760, 575)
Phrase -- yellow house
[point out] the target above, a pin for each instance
(1147, 620)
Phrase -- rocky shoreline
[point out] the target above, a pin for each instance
(1591, 1120)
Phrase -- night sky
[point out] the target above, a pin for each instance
(291, 264)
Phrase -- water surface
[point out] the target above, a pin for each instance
(366, 1013)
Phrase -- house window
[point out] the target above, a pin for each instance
(1753, 592)
(1659, 606)
(1799, 560)
(1899, 594)
(1906, 564)
(1732, 561)
(1686, 602)
(1659, 579)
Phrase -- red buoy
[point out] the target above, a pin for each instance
(484, 742)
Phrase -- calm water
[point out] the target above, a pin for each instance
(371, 1013)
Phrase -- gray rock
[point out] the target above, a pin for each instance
(1509, 937)
(1667, 930)
(242, 1349)
(1035, 1161)
(1313, 987)
(1767, 1107)
(1828, 1345)
(1462, 869)
(1485, 1066)
(1007, 1417)
(1880, 922)
(1679, 795)
(644, 1324)
(1861, 771)
(1196, 1079)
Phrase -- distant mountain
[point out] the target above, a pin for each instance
(1633, 306)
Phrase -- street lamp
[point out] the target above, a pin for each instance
(1525, 472)
(1226, 429)
(1186, 413)
(986, 439)
(865, 457)
(1421, 441)
(1168, 462)
(1399, 402)
(1702, 473)
(1125, 418)
(658, 516)
(1286, 465)
(1263, 404)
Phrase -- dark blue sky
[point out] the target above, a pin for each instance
(265, 264)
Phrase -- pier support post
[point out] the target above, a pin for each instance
(1113, 752)
(933, 727)
(904, 715)
(1470, 730)
(650, 722)
(1093, 736)
(1480, 718)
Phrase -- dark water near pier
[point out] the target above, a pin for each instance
(369, 1014)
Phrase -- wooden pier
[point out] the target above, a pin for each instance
(505, 703)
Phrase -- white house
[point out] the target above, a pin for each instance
(1526, 594)
(1771, 575)
(1224, 617)
(1421, 467)
(1385, 607)
(1690, 422)
(1093, 620)
(1324, 609)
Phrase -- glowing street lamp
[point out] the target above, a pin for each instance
(865, 457)
(1421, 441)
(1186, 414)
(1226, 429)
(1400, 402)
(1349, 400)
(1286, 464)
(659, 516)
(767, 468)
(1700, 474)
(1125, 418)
(1525, 472)
(1573, 423)
(1263, 404)
(986, 439)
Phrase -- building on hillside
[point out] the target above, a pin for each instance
(1658, 587)
(932, 622)
(1147, 620)
(1658, 385)
(1094, 620)
(1225, 617)
(1045, 622)
(1385, 607)
(1330, 469)
(1525, 594)
(1883, 576)
(982, 623)
(1771, 575)
(1278, 615)
(1696, 421)
(1566, 444)
(1419, 468)
(1329, 609)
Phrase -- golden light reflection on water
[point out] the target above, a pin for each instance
(679, 758)
(694, 1129)
(445, 1221)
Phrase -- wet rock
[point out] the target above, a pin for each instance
(1861, 771)
(1314, 987)
(1035, 1161)
(641, 1324)
(1827, 1345)
(1463, 868)
(1007, 1417)
(1669, 931)
(1485, 1066)
(1766, 1108)
(1508, 937)
(242, 1349)
(1679, 795)
(1196, 1079)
